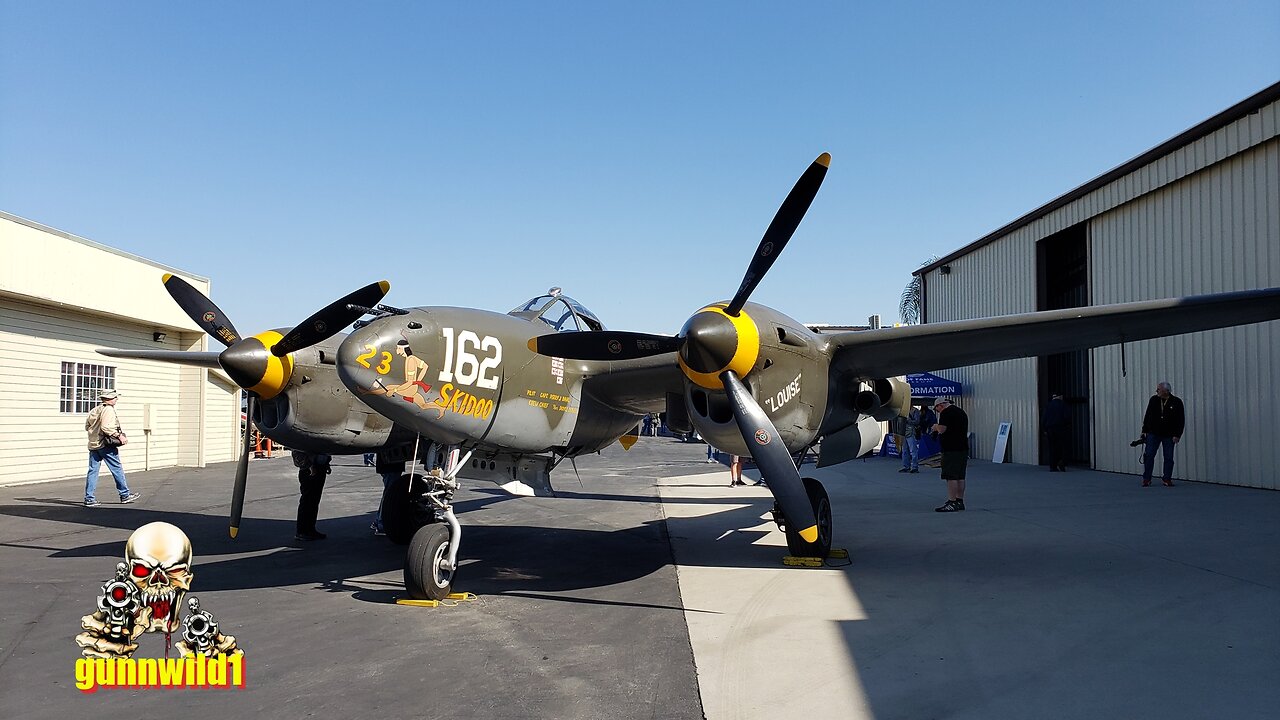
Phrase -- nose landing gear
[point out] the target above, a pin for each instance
(420, 512)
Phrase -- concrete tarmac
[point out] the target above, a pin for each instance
(1076, 595)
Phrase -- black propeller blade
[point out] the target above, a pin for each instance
(772, 457)
(242, 470)
(330, 320)
(603, 345)
(781, 229)
(201, 310)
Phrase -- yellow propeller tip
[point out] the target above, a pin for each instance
(386, 286)
(234, 531)
(166, 277)
(810, 534)
(824, 160)
(533, 345)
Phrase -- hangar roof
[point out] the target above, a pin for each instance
(49, 266)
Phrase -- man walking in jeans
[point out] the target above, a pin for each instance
(103, 423)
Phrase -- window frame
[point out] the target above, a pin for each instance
(81, 383)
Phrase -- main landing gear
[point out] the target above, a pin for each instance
(418, 510)
(797, 545)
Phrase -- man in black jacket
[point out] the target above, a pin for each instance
(1162, 427)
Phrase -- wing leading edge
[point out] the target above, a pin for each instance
(936, 346)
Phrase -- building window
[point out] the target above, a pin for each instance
(81, 384)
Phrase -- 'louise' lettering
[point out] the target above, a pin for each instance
(783, 396)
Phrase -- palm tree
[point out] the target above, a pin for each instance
(910, 306)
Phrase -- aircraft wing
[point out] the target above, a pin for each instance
(195, 358)
(639, 386)
(891, 352)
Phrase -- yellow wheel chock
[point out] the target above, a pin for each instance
(453, 600)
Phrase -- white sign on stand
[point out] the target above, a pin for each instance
(1002, 443)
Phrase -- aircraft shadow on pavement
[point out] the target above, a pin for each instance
(518, 560)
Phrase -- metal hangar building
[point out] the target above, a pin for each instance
(61, 298)
(1197, 214)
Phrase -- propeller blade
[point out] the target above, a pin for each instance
(201, 310)
(194, 358)
(781, 229)
(242, 470)
(603, 345)
(772, 457)
(331, 319)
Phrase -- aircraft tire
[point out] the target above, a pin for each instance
(423, 576)
(797, 545)
(403, 511)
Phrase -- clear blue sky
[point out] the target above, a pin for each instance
(477, 153)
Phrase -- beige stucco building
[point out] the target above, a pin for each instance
(63, 296)
(1197, 214)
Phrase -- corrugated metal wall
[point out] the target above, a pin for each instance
(992, 281)
(1203, 218)
(1215, 231)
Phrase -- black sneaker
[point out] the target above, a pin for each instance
(91, 503)
(959, 503)
(310, 536)
(904, 470)
(949, 506)
(131, 497)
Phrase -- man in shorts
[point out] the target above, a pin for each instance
(952, 430)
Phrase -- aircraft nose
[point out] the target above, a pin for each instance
(372, 356)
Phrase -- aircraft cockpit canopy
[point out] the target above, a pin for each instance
(559, 311)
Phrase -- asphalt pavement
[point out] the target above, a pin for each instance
(648, 588)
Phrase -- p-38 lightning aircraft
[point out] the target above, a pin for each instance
(520, 392)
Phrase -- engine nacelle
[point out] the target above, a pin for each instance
(883, 398)
(789, 382)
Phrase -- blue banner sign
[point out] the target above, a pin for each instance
(930, 385)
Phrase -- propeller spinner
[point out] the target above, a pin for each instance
(262, 364)
(719, 346)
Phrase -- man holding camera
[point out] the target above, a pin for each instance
(1162, 427)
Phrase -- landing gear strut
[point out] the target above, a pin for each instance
(432, 560)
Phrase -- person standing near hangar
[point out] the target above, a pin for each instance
(1162, 427)
(953, 435)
